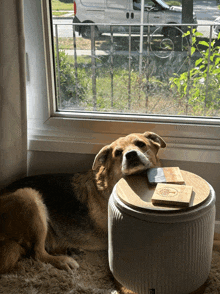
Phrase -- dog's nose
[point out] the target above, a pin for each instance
(131, 155)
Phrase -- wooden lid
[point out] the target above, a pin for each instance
(136, 192)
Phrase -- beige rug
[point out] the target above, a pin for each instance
(93, 276)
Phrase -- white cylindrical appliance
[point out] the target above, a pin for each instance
(160, 250)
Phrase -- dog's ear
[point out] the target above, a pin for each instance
(101, 157)
(101, 167)
(156, 139)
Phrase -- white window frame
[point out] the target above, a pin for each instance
(188, 138)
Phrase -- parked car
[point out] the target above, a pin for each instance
(217, 25)
(111, 12)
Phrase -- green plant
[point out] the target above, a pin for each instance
(71, 87)
(198, 87)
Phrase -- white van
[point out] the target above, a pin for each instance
(110, 12)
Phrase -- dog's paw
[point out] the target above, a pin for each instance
(65, 263)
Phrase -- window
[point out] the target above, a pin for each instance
(72, 128)
(109, 71)
(119, 4)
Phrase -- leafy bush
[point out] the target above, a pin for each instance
(71, 88)
(199, 88)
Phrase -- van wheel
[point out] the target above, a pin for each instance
(86, 32)
(171, 32)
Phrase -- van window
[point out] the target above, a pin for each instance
(120, 4)
(137, 4)
(96, 3)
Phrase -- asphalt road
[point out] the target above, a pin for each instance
(206, 11)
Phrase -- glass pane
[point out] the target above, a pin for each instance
(105, 66)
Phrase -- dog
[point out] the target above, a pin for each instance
(44, 216)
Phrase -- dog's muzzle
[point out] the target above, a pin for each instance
(134, 161)
(131, 155)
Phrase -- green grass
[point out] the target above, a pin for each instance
(58, 13)
(58, 5)
(174, 3)
(120, 43)
(159, 99)
(153, 96)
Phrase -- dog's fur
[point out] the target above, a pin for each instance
(48, 214)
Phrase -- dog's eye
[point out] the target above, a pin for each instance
(140, 144)
(118, 152)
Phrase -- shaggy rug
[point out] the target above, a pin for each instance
(93, 277)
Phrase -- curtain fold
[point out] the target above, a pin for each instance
(13, 119)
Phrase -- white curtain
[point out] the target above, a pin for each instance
(13, 123)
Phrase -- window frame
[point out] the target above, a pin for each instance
(188, 138)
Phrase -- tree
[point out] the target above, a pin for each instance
(187, 11)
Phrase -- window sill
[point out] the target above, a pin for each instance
(186, 142)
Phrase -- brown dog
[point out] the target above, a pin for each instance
(48, 214)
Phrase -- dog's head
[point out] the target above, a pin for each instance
(126, 156)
